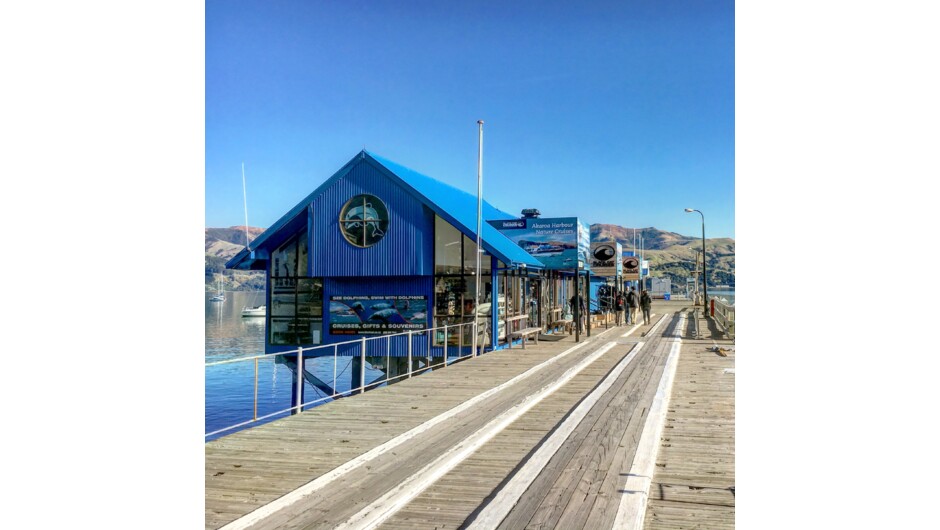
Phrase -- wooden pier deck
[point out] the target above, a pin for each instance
(549, 437)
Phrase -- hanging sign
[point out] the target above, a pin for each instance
(606, 258)
(559, 243)
(631, 268)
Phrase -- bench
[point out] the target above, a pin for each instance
(566, 324)
(523, 331)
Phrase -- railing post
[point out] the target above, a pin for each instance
(410, 337)
(388, 358)
(362, 368)
(478, 340)
(445, 345)
(255, 416)
(300, 380)
(462, 328)
(334, 368)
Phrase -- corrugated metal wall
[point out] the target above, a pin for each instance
(407, 248)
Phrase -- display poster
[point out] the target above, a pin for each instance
(606, 258)
(559, 243)
(377, 315)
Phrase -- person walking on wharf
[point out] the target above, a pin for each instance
(577, 301)
(618, 306)
(632, 304)
(645, 303)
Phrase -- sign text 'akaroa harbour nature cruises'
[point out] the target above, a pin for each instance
(561, 243)
(606, 258)
(377, 315)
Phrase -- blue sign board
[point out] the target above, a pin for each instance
(559, 243)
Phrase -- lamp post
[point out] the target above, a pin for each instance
(704, 272)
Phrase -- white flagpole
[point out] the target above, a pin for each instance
(476, 303)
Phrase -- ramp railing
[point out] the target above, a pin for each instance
(724, 315)
(441, 346)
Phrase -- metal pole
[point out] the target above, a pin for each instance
(476, 292)
(410, 337)
(577, 306)
(704, 271)
(587, 303)
(255, 417)
(362, 366)
(300, 380)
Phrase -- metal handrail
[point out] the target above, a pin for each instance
(363, 386)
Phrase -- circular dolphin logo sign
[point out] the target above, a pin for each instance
(604, 253)
(363, 220)
(631, 263)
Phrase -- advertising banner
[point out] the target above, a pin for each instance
(377, 315)
(631, 268)
(559, 243)
(606, 258)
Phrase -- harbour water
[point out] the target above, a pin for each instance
(229, 388)
(728, 295)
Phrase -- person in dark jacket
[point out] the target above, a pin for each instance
(645, 303)
(618, 306)
(632, 304)
(577, 301)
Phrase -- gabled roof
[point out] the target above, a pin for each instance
(456, 206)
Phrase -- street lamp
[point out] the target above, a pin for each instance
(704, 272)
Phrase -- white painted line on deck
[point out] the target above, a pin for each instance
(387, 505)
(634, 328)
(262, 512)
(636, 490)
(508, 496)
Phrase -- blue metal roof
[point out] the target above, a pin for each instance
(456, 206)
(460, 209)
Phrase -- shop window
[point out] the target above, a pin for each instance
(295, 312)
(447, 248)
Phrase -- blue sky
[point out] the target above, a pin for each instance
(615, 112)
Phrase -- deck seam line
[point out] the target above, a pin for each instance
(384, 507)
(497, 510)
(288, 499)
(632, 510)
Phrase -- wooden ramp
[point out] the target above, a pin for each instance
(541, 437)
(694, 482)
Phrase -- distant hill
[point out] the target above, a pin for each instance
(670, 254)
(221, 245)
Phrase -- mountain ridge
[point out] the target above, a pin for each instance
(670, 254)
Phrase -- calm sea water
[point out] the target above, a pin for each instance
(729, 295)
(230, 394)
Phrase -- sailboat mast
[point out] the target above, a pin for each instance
(245, 196)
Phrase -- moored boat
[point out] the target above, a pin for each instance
(256, 311)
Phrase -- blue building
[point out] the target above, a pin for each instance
(379, 250)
